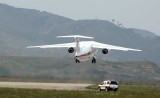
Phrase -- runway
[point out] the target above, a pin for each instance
(51, 86)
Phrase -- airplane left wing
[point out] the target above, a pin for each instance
(111, 47)
(65, 45)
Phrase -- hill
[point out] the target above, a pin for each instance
(68, 70)
(24, 27)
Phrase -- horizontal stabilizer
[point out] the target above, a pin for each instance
(75, 36)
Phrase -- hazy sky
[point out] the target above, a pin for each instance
(143, 14)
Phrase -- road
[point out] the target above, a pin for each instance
(36, 85)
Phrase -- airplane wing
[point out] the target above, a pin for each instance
(65, 45)
(111, 47)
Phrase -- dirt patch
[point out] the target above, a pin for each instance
(34, 85)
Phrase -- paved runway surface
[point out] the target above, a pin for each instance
(35, 85)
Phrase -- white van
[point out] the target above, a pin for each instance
(108, 85)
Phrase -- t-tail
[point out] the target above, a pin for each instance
(76, 37)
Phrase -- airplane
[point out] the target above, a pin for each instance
(84, 50)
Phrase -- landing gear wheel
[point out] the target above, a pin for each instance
(93, 60)
(115, 90)
(77, 61)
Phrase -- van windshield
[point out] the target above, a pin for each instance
(114, 82)
(102, 83)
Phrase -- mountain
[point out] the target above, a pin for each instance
(25, 27)
(50, 68)
(145, 34)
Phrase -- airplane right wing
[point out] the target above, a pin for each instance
(112, 47)
(65, 45)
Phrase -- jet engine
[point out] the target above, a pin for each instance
(105, 51)
(71, 50)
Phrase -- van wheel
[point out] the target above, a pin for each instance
(99, 89)
(115, 90)
(106, 89)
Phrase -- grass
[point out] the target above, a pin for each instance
(125, 91)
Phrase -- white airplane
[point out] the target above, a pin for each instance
(84, 50)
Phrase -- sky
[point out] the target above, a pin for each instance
(141, 14)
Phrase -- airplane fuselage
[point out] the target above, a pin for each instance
(84, 51)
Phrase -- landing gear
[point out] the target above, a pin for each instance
(77, 61)
(93, 60)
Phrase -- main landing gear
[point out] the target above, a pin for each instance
(93, 60)
(77, 61)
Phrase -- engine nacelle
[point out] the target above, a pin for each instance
(105, 51)
(71, 50)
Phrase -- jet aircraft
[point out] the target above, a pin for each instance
(84, 50)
